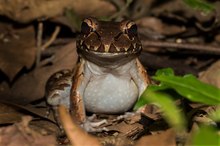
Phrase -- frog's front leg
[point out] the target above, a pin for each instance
(140, 76)
(80, 81)
(141, 79)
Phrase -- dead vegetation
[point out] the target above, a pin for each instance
(37, 39)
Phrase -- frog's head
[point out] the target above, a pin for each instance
(107, 43)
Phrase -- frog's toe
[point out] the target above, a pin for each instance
(54, 99)
(57, 99)
(126, 115)
(94, 126)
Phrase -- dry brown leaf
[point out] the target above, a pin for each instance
(11, 112)
(166, 138)
(17, 50)
(24, 11)
(158, 26)
(170, 9)
(128, 126)
(20, 134)
(28, 10)
(116, 141)
(128, 130)
(151, 112)
(96, 8)
(212, 75)
(31, 87)
(8, 114)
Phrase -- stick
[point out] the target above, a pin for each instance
(39, 43)
(187, 46)
(52, 38)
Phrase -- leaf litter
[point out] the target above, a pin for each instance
(23, 84)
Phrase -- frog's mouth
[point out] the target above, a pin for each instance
(106, 59)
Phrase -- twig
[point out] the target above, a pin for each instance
(52, 38)
(39, 43)
(46, 61)
(41, 47)
(187, 46)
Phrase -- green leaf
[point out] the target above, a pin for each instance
(165, 71)
(73, 19)
(215, 115)
(206, 136)
(200, 5)
(171, 113)
(193, 89)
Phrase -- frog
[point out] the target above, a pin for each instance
(108, 78)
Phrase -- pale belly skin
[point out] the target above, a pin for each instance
(109, 90)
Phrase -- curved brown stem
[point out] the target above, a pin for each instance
(76, 135)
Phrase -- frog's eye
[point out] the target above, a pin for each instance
(132, 31)
(85, 29)
(89, 25)
(129, 28)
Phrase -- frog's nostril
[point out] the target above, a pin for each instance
(101, 48)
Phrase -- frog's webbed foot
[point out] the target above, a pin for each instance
(94, 126)
(126, 115)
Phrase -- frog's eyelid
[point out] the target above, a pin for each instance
(132, 31)
(92, 23)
